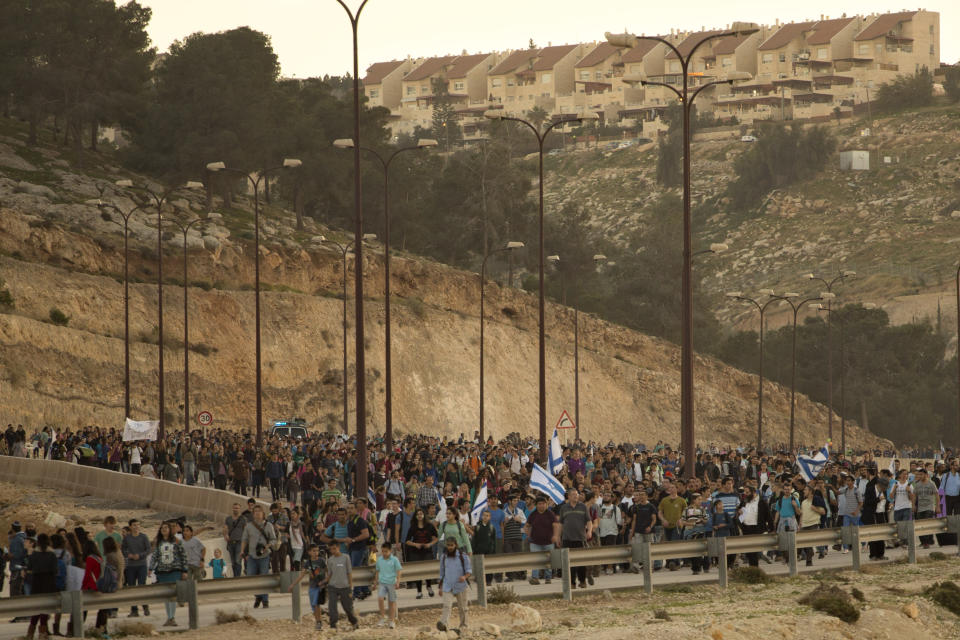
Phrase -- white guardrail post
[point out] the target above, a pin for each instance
(717, 547)
(72, 603)
(787, 542)
(905, 532)
(187, 594)
(288, 579)
(850, 536)
(953, 526)
(480, 576)
(647, 564)
(560, 559)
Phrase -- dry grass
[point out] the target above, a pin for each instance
(226, 617)
(134, 629)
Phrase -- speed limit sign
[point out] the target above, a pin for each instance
(204, 418)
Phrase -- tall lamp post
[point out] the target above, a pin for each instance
(345, 251)
(598, 259)
(185, 229)
(686, 324)
(125, 216)
(790, 298)
(829, 296)
(762, 308)
(541, 136)
(362, 457)
(385, 162)
(158, 200)
(255, 179)
(510, 247)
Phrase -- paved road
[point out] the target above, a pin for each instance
(280, 603)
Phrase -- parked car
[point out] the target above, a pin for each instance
(748, 138)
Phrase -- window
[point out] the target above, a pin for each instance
(907, 48)
(674, 66)
(424, 90)
(822, 53)
(374, 93)
(546, 78)
(768, 57)
(458, 85)
(496, 82)
(864, 50)
(509, 98)
(411, 91)
(584, 75)
(598, 75)
(931, 47)
(931, 29)
(727, 62)
(511, 82)
(783, 57)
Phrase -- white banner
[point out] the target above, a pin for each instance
(140, 430)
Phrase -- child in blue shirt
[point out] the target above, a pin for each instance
(217, 564)
(387, 578)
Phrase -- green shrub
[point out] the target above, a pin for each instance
(832, 601)
(661, 614)
(6, 299)
(946, 594)
(59, 318)
(749, 575)
(858, 595)
(677, 588)
(502, 594)
(937, 555)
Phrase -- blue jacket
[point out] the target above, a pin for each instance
(451, 569)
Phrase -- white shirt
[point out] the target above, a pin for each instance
(749, 514)
(902, 493)
(134, 454)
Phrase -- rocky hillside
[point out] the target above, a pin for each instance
(896, 225)
(59, 253)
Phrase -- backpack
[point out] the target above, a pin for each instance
(463, 566)
(107, 582)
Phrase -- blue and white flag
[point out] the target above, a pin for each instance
(479, 504)
(372, 497)
(556, 453)
(811, 467)
(543, 481)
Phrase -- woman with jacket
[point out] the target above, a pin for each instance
(42, 569)
(169, 563)
(453, 528)
(421, 536)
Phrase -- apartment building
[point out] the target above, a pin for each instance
(807, 69)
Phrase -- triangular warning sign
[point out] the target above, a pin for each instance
(565, 421)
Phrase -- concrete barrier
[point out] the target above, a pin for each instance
(159, 495)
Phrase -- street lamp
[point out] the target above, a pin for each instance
(686, 325)
(541, 136)
(598, 259)
(125, 216)
(345, 251)
(185, 228)
(829, 296)
(423, 143)
(158, 200)
(215, 167)
(509, 247)
(762, 308)
(796, 306)
(361, 479)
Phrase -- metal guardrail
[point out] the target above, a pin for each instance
(644, 551)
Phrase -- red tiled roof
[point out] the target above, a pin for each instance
(728, 45)
(638, 52)
(826, 29)
(549, 56)
(785, 35)
(600, 53)
(429, 67)
(692, 41)
(380, 70)
(464, 64)
(514, 61)
(884, 23)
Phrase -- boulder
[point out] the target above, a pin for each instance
(523, 619)
(911, 610)
(491, 628)
(35, 190)
(9, 159)
(55, 521)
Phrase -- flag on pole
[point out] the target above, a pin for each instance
(372, 497)
(810, 467)
(543, 481)
(893, 467)
(442, 511)
(556, 453)
(479, 504)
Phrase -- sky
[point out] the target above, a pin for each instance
(313, 37)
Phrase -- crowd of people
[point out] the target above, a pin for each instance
(422, 500)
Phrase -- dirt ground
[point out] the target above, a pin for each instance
(35, 504)
(893, 607)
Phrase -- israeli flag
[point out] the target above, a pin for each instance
(479, 504)
(556, 453)
(372, 497)
(543, 481)
(811, 467)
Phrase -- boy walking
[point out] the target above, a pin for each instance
(340, 586)
(316, 568)
(387, 577)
